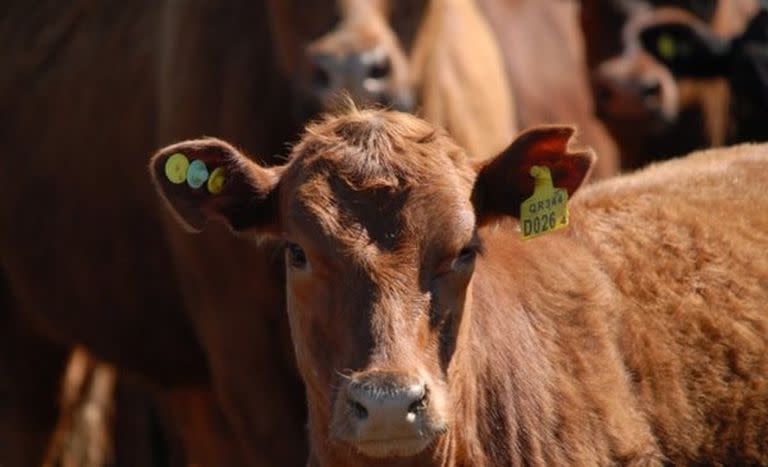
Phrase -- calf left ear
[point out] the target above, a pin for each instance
(505, 181)
(208, 179)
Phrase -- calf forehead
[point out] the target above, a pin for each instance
(376, 178)
(326, 206)
(389, 218)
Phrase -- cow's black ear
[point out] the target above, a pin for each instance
(504, 182)
(687, 49)
(208, 179)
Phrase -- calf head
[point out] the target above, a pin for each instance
(379, 212)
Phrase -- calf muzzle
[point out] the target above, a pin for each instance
(384, 414)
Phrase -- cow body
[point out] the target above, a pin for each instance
(428, 332)
(550, 82)
(82, 101)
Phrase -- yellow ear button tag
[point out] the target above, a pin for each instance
(216, 181)
(176, 168)
(545, 211)
(666, 47)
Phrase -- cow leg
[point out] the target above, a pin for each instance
(31, 367)
(143, 433)
(205, 432)
(106, 419)
(83, 434)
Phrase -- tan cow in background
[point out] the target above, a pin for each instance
(466, 65)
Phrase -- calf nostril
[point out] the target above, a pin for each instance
(358, 409)
(380, 69)
(602, 89)
(320, 77)
(418, 405)
(604, 93)
(651, 89)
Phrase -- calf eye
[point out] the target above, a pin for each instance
(466, 256)
(380, 70)
(296, 256)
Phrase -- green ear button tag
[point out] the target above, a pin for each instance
(216, 181)
(666, 47)
(176, 168)
(197, 174)
(545, 211)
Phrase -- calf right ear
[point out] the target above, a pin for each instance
(688, 49)
(209, 179)
(504, 182)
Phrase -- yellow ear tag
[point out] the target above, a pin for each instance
(666, 47)
(216, 181)
(176, 168)
(545, 211)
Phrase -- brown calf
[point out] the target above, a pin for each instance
(428, 332)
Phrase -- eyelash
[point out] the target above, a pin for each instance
(467, 254)
(297, 258)
(465, 257)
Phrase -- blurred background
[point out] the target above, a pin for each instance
(125, 341)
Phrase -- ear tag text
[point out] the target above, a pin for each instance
(547, 209)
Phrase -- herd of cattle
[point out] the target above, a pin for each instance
(636, 336)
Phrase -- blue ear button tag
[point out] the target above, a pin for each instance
(197, 174)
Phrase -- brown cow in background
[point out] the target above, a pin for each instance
(429, 333)
(30, 370)
(650, 113)
(79, 108)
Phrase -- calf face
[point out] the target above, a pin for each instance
(379, 212)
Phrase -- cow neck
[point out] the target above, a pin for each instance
(359, 11)
(500, 384)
